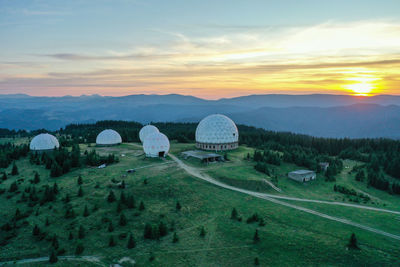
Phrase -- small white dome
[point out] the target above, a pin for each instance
(217, 129)
(156, 145)
(44, 141)
(108, 137)
(146, 130)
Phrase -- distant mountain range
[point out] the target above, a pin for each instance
(317, 115)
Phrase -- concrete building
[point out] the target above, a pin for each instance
(217, 132)
(205, 157)
(156, 145)
(43, 142)
(302, 175)
(324, 165)
(108, 138)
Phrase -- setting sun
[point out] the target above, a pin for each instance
(362, 86)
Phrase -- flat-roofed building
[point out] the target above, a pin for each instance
(203, 156)
(302, 175)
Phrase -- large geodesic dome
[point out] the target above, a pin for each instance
(146, 130)
(108, 138)
(44, 141)
(156, 145)
(217, 132)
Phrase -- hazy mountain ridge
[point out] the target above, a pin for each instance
(318, 115)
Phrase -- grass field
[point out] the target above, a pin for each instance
(290, 237)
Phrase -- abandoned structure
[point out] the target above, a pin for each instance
(43, 142)
(302, 175)
(146, 130)
(156, 145)
(108, 138)
(217, 132)
(205, 157)
(324, 166)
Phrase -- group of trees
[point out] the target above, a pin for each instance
(10, 152)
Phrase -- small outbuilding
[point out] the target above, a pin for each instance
(108, 138)
(44, 142)
(205, 157)
(302, 175)
(323, 165)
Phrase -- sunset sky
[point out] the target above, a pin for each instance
(207, 48)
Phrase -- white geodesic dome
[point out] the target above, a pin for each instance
(156, 145)
(146, 130)
(108, 138)
(217, 129)
(44, 141)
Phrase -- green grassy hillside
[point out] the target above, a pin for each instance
(289, 237)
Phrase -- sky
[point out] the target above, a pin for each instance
(208, 48)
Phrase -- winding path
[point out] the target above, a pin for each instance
(275, 199)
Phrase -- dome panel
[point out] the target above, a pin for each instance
(156, 145)
(108, 137)
(217, 129)
(44, 142)
(147, 130)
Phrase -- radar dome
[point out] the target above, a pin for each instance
(147, 130)
(108, 138)
(44, 141)
(156, 145)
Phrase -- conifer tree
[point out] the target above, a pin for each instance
(54, 242)
(202, 232)
(70, 236)
(122, 220)
(86, 211)
(131, 242)
(178, 206)
(36, 230)
(67, 198)
(111, 197)
(234, 214)
(14, 170)
(110, 227)
(353, 242)
(80, 180)
(36, 178)
(162, 229)
(13, 187)
(256, 238)
(175, 238)
(47, 222)
(256, 261)
(122, 198)
(79, 249)
(141, 206)
(119, 207)
(53, 257)
(80, 192)
(111, 242)
(55, 188)
(4, 177)
(131, 202)
(81, 232)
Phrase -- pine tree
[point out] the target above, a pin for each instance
(122, 198)
(178, 206)
(36, 230)
(80, 180)
(111, 197)
(175, 238)
(261, 222)
(36, 178)
(80, 192)
(256, 238)
(123, 184)
(234, 214)
(54, 242)
(86, 211)
(70, 236)
(131, 242)
(47, 222)
(81, 232)
(141, 206)
(202, 232)
(110, 227)
(14, 170)
(111, 242)
(4, 177)
(122, 220)
(256, 261)
(162, 229)
(119, 207)
(53, 257)
(67, 198)
(79, 249)
(55, 188)
(131, 202)
(353, 242)
(13, 187)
